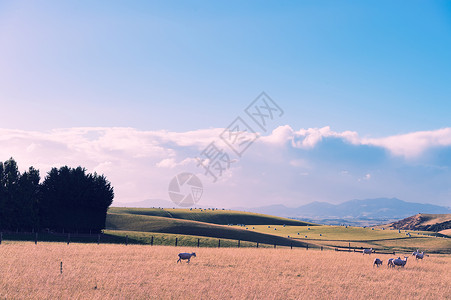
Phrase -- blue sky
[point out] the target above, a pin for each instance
(376, 68)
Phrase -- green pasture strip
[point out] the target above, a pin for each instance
(217, 216)
(338, 233)
(142, 223)
(428, 244)
(169, 239)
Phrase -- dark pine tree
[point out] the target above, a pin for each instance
(9, 208)
(18, 197)
(72, 200)
(27, 199)
(2, 196)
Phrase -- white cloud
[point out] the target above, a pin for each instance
(281, 165)
(413, 144)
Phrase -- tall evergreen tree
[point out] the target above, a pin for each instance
(18, 197)
(28, 199)
(9, 206)
(72, 200)
(2, 196)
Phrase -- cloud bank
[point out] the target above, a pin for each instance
(286, 166)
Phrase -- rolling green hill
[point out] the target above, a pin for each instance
(221, 217)
(146, 223)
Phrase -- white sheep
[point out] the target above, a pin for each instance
(390, 263)
(400, 262)
(414, 253)
(367, 251)
(377, 262)
(419, 255)
(186, 256)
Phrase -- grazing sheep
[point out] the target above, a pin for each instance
(367, 251)
(186, 256)
(419, 255)
(377, 262)
(414, 253)
(400, 262)
(390, 263)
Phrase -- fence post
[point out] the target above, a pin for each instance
(151, 241)
(198, 243)
(176, 242)
(126, 240)
(291, 246)
(61, 268)
(36, 239)
(68, 238)
(307, 246)
(238, 243)
(219, 243)
(274, 245)
(321, 248)
(1, 237)
(257, 244)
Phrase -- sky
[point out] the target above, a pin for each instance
(137, 90)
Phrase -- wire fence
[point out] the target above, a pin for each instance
(161, 239)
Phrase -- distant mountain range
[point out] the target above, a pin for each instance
(380, 208)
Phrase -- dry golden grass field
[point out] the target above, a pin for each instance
(103, 271)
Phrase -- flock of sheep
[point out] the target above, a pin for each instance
(393, 262)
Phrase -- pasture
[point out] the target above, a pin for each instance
(110, 271)
(141, 224)
(341, 236)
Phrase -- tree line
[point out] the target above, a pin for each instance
(68, 199)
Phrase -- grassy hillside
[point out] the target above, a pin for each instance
(340, 236)
(334, 233)
(428, 222)
(168, 239)
(221, 217)
(431, 219)
(189, 224)
(148, 223)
